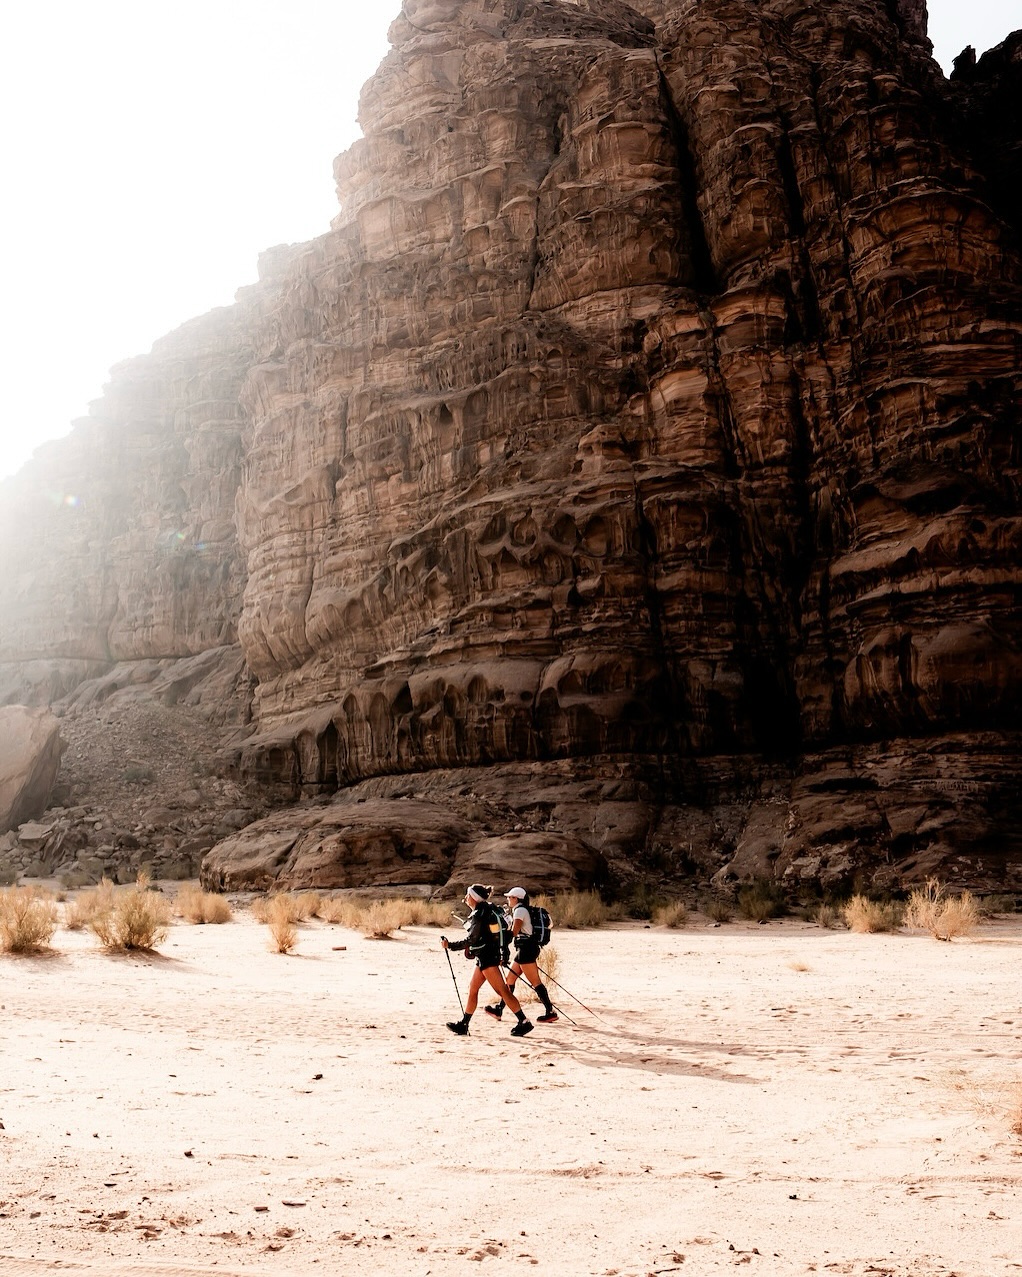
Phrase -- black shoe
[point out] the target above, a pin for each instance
(459, 1027)
(551, 1017)
(520, 1030)
(497, 1010)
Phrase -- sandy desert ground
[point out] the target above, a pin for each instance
(779, 1099)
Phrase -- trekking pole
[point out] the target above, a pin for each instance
(455, 979)
(570, 994)
(533, 988)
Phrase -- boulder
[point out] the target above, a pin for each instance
(29, 759)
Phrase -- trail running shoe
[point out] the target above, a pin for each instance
(520, 1030)
(459, 1027)
(497, 1010)
(551, 1017)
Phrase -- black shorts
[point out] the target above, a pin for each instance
(526, 949)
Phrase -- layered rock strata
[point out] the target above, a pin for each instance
(648, 420)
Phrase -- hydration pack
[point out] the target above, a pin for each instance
(541, 925)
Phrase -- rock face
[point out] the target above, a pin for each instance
(645, 429)
(29, 759)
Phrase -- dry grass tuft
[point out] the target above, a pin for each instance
(717, 908)
(201, 907)
(871, 916)
(28, 919)
(931, 909)
(674, 915)
(138, 918)
(298, 907)
(1016, 1114)
(279, 917)
(799, 966)
(575, 910)
(80, 911)
(549, 962)
(829, 917)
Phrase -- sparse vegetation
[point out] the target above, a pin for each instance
(138, 918)
(201, 907)
(992, 906)
(575, 910)
(829, 917)
(279, 917)
(548, 961)
(931, 909)
(867, 916)
(760, 900)
(28, 919)
(1016, 1113)
(672, 915)
(298, 907)
(717, 908)
(642, 900)
(799, 966)
(80, 911)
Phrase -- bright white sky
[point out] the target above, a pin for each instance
(151, 149)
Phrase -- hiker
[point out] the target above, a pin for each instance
(527, 947)
(484, 942)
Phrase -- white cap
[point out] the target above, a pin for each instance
(516, 893)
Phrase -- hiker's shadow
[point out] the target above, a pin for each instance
(598, 1052)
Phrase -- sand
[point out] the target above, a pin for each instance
(779, 1099)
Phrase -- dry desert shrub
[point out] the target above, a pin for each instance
(717, 908)
(674, 915)
(280, 919)
(201, 907)
(829, 917)
(575, 910)
(549, 968)
(28, 919)
(138, 918)
(868, 917)
(760, 900)
(931, 909)
(1016, 1113)
(79, 912)
(340, 912)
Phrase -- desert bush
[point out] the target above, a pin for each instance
(340, 912)
(717, 908)
(200, 907)
(79, 912)
(28, 919)
(642, 900)
(760, 900)
(550, 964)
(673, 915)
(931, 909)
(307, 904)
(871, 916)
(279, 905)
(575, 910)
(991, 906)
(829, 916)
(280, 919)
(138, 918)
(1016, 1113)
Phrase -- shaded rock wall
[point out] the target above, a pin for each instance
(650, 410)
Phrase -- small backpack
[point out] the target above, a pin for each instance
(541, 925)
(498, 929)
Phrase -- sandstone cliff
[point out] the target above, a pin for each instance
(634, 465)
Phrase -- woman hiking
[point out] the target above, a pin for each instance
(482, 941)
(526, 956)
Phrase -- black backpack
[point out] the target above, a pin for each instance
(541, 925)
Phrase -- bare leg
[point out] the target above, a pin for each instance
(500, 988)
